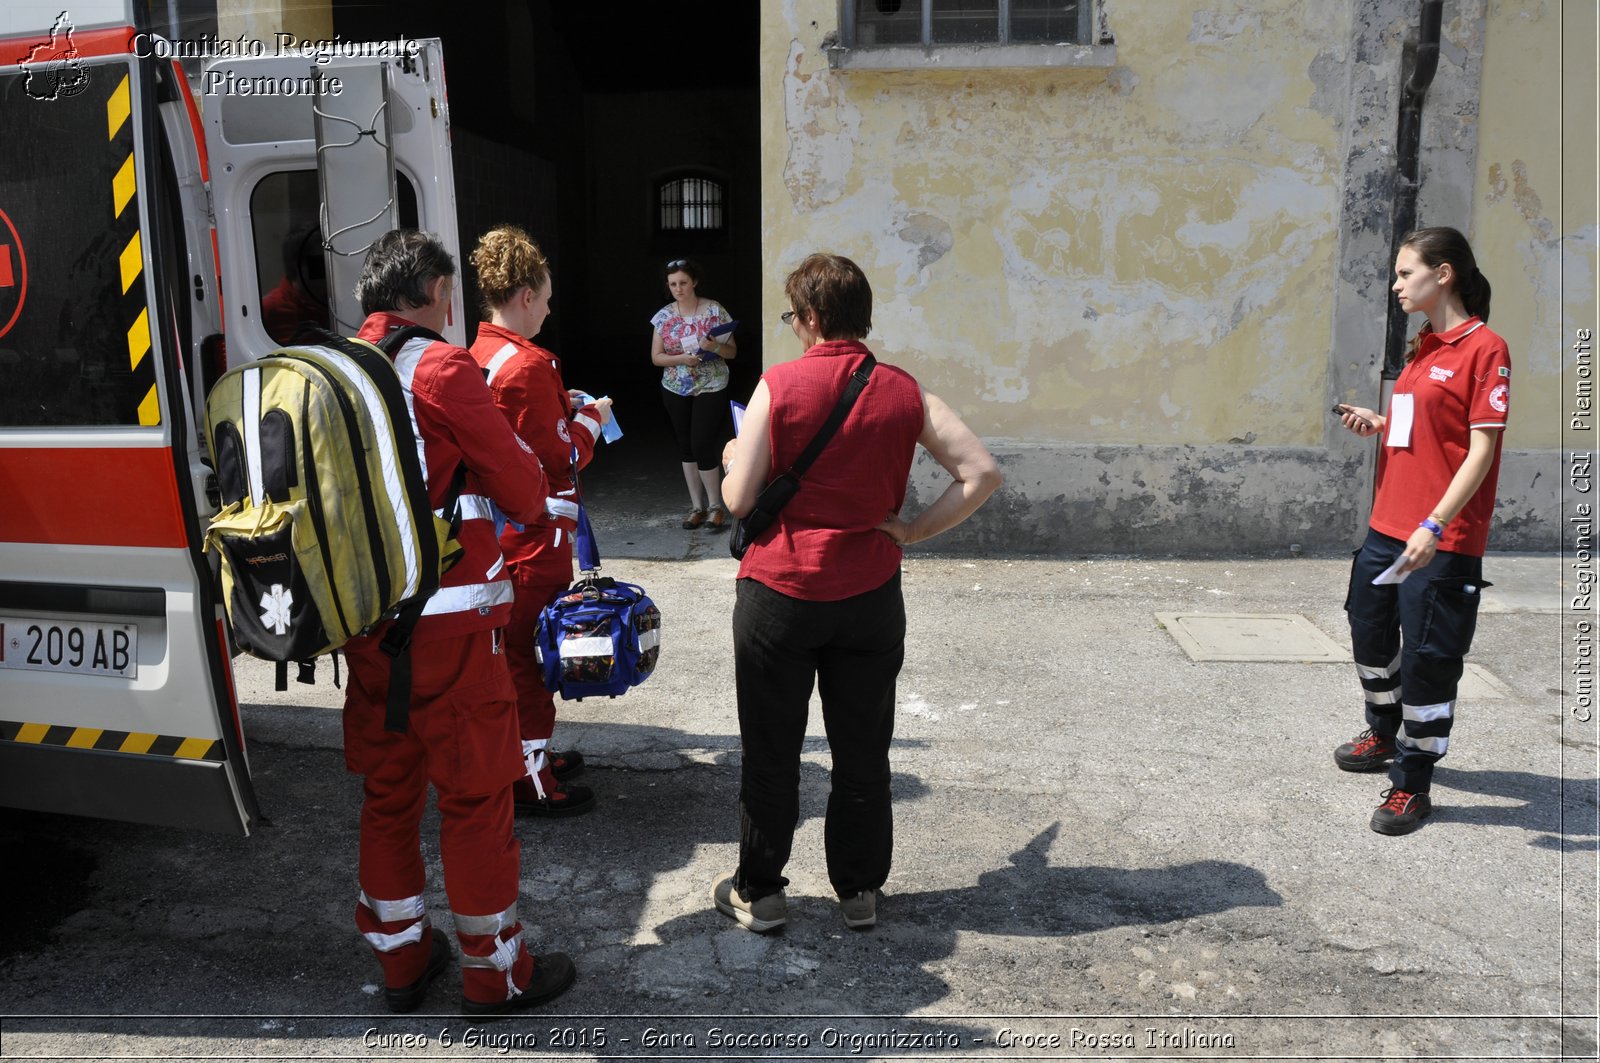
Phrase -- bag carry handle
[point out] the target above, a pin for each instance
(588, 549)
(583, 535)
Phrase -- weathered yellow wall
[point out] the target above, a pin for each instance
(1533, 225)
(1140, 255)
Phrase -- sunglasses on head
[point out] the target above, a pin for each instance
(677, 263)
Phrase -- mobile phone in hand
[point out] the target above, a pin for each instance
(1341, 410)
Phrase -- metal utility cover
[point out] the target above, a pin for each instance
(1283, 637)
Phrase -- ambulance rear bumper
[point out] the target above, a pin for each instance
(159, 791)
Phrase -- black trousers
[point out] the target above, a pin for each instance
(1410, 641)
(699, 425)
(852, 650)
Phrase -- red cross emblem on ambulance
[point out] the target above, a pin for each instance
(13, 275)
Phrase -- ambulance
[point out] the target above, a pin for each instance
(170, 206)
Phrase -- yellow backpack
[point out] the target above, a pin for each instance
(325, 528)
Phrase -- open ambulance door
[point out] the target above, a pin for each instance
(312, 160)
(116, 694)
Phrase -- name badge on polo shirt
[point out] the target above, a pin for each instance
(1400, 410)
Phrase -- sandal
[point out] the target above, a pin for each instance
(695, 518)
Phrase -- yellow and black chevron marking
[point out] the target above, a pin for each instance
(130, 241)
(44, 734)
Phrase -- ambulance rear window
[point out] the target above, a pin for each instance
(75, 329)
(287, 232)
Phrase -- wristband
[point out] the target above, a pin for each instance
(1433, 526)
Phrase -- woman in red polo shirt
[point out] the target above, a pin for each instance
(819, 591)
(1438, 464)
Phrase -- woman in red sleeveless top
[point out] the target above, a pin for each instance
(819, 591)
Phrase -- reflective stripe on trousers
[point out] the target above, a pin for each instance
(505, 952)
(398, 911)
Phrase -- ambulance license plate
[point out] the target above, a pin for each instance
(69, 646)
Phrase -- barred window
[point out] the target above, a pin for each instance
(693, 204)
(929, 23)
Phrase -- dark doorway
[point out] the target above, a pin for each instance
(570, 119)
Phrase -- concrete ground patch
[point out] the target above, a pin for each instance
(1480, 684)
(1278, 637)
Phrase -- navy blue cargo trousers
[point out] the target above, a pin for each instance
(1410, 642)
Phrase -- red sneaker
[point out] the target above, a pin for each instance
(1365, 752)
(1401, 812)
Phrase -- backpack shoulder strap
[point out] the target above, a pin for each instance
(398, 338)
(397, 640)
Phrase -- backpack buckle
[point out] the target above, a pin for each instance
(395, 642)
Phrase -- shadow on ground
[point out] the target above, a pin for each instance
(1562, 812)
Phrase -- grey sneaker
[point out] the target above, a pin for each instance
(762, 915)
(861, 910)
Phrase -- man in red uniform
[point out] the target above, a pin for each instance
(462, 731)
(525, 380)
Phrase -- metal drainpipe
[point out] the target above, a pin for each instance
(1419, 63)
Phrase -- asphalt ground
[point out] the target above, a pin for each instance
(1104, 850)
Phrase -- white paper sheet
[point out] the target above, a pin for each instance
(1392, 574)
(1400, 411)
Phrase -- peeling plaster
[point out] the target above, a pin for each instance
(1330, 78)
(823, 127)
(1122, 80)
(929, 234)
(1529, 205)
(1211, 27)
(1153, 278)
(1220, 102)
(1554, 268)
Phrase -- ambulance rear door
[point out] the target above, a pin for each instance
(116, 694)
(291, 238)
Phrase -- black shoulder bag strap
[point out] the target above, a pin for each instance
(852, 391)
(777, 494)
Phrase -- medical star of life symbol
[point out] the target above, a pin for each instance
(275, 609)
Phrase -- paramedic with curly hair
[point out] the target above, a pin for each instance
(818, 594)
(461, 735)
(1438, 465)
(525, 380)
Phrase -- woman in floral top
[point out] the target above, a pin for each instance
(694, 383)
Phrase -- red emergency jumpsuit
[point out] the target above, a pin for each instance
(462, 733)
(525, 380)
